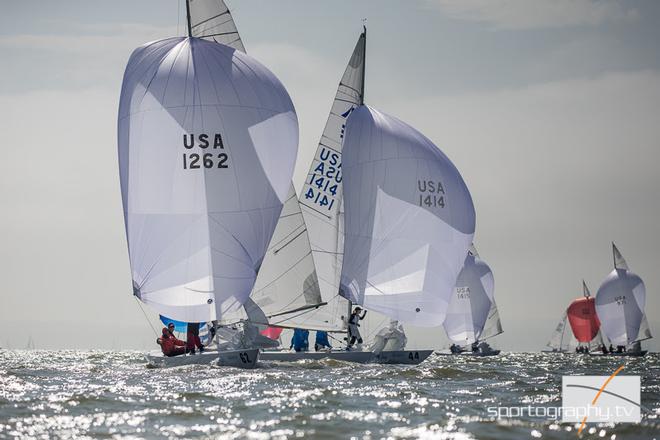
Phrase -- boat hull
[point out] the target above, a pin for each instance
(234, 358)
(401, 357)
(470, 353)
(626, 354)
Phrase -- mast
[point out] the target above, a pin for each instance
(188, 19)
(364, 62)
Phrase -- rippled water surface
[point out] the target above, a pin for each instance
(59, 394)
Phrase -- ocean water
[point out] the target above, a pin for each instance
(109, 394)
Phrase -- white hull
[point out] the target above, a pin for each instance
(234, 358)
(410, 357)
(470, 353)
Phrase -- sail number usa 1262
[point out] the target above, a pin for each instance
(204, 151)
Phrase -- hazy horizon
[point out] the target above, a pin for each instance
(551, 112)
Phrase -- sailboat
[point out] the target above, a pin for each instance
(579, 328)
(321, 204)
(620, 302)
(208, 140)
(472, 315)
(561, 341)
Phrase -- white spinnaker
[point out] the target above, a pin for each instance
(208, 139)
(321, 198)
(211, 20)
(409, 220)
(620, 303)
(471, 302)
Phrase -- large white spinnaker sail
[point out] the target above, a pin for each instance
(620, 303)
(409, 220)
(212, 20)
(472, 303)
(321, 198)
(208, 140)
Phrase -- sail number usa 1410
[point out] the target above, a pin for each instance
(204, 151)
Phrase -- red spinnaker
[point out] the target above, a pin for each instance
(583, 319)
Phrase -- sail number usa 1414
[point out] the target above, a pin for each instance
(204, 151)
(431, 193)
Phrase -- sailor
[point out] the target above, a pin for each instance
(321, 342)
(611, 349)
(475, 347)
(353, 324)
(455, 349)
(169, 344)
(300, 341)
(192, 338)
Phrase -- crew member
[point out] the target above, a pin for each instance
(353, 324)
(321, 342)
(192, 338)
(169, 344)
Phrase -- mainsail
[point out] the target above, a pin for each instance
(560, 339)
(409, 220)
(211, 20)
(472, 303)
(207, 145)
(286, 289)
(582, 317)
(321, 198)
(620, 303)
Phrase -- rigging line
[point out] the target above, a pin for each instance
(178, 17)
(146, 317)
(211, 18)
(290, 241)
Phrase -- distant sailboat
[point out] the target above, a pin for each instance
(584, 321)
(561, 339)
(579, 328)
(472, 315)
(620, 303)
(207, 145)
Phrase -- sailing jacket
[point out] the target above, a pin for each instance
(168, 344)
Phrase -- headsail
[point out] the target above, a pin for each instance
(321, 198)
(409, 220)
(211, 20)
(644, 330)
(207, 145)
(620, 303)
(472, 303)
(582, 317)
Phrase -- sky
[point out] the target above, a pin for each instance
(550, 110)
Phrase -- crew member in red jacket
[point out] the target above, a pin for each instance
(169, 343)
(192, 338)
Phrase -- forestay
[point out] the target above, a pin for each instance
(321, 198)
(472, 302)
(620, 303)
(207, 145)
(409, 220)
